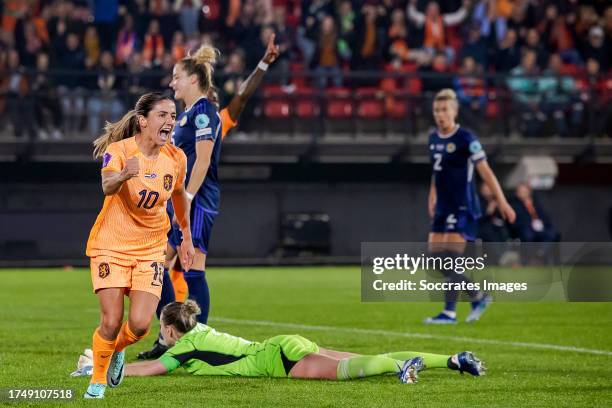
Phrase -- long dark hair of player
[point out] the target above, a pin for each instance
(128, 125)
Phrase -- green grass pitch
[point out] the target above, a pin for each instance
(538, 354)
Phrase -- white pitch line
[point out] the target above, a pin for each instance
(519, 344)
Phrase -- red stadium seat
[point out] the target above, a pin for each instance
(413, 85)
(305, 105)
(339, 103)
(493, 109)
(370, 109)
(304, 91)
(409, 67)
(306, 109)
(273, 91)
(582, 84)
(339, 109)
(338, 92)
(369, 103)
(570, 69)
(296, 69)
(396, 109)
(276, 102)
(277, 108)
(367, 92)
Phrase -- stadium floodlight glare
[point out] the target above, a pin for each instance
(539, 171)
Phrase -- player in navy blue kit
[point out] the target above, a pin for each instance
(229, 117)
(198, 134)
(453, 201)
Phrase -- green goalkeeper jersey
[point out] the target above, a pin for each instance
(205, 351)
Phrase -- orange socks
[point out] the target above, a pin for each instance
(104, 349)
(102, 352)
(126, 337)
(179, 284)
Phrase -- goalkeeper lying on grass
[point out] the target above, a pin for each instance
(202, 350)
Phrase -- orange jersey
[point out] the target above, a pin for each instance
(133, 222)
(227, 123)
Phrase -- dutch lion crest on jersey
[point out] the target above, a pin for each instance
(168, 182)
(103, 270)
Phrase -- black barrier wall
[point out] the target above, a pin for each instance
(41, 222)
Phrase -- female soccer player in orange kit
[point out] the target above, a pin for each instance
(175, 287)
(140, 173)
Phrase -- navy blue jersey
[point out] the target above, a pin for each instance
(453, 158)
(199, 123)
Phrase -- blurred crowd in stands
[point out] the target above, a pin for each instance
(66, 66)
(533, 224)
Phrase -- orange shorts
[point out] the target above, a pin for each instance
(109, 272)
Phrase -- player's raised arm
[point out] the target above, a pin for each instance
(487, 175)
(250, 85)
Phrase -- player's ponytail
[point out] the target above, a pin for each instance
(128, 125)
(201, 63)
(125, 127)
(181, 315)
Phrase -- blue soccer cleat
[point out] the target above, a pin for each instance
(468, 362)
(442, 318)
(116, 369)
(479, 308)
(409, 373)
(95, 391)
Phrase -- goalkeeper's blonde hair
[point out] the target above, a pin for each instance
(201, 63)
(181, 315)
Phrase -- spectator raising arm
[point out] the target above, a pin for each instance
(449, 19)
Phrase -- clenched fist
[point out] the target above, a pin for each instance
(131, 169)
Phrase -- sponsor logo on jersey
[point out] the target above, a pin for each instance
(450, 148)
(440, 146)
(168, 182)
(106, 159)
(103, 270)
(183, 121)
(150, 175)
(201, 121)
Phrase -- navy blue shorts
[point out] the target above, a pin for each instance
(460, 222)
(202, 220)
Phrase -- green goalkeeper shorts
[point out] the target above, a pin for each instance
(282, 352)
(275, 357)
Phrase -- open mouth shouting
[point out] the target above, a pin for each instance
(164, 133)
